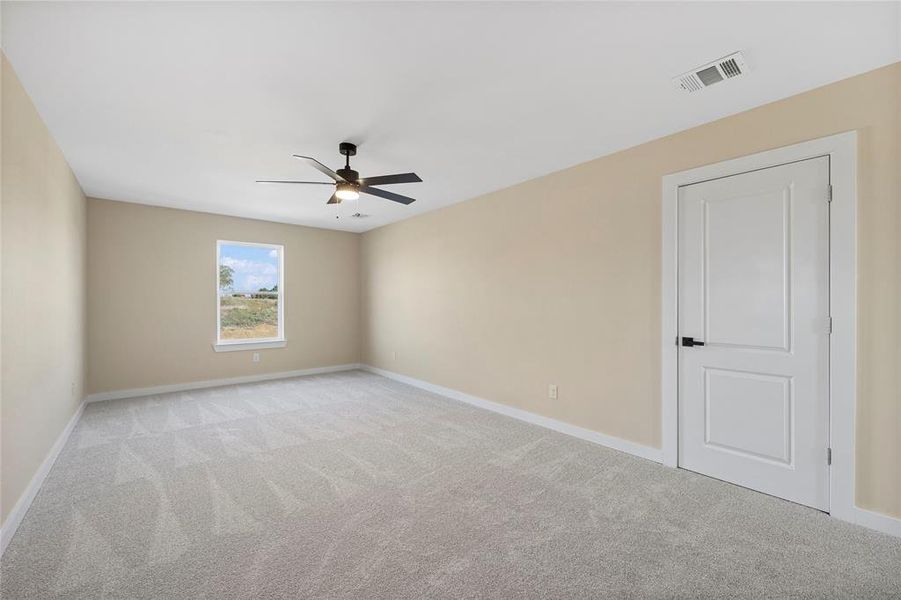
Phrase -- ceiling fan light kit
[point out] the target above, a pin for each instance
(346, 191)
(347, 182)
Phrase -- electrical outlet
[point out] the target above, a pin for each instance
(256, 357)
(552, 392)
(394, 355)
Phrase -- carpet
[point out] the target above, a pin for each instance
(350, 485)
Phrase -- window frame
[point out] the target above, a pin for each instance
(221, 345)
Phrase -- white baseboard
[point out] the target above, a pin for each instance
(15, 516)
(872, 520)
(654, 454)
(197, 385)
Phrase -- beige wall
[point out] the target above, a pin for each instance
(557, 280)
(152, 296)
(43, 292)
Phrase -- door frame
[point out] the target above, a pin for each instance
(842, 152)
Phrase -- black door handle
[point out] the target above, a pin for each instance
(690, 341)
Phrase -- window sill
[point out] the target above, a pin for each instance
(249, 345)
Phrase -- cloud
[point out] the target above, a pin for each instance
(250, 275)
(242, 264)
(255, 282)
(273, 253)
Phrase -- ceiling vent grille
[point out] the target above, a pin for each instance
(728, 67)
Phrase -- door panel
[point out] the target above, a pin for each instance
(749, 414)
(753, 286)
(747, 300)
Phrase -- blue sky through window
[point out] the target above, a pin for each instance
(254, 267)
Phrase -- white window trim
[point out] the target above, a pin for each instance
(237, 346)
(221, 345)
(842, 152)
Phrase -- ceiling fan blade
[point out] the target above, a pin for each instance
(387, 195)
(307, 182)
(387, 179)
(320, 167)
(334, 199)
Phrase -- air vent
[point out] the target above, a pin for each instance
(728, 67)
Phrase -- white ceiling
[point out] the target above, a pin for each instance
(185, 105)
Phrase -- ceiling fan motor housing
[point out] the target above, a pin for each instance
(348, 174)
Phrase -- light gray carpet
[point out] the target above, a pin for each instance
(354, 486)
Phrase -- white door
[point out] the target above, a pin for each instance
(754, 290)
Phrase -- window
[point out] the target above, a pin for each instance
(249, 299)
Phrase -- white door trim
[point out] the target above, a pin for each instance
(842, 152)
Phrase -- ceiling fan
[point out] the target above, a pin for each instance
(347, 182)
